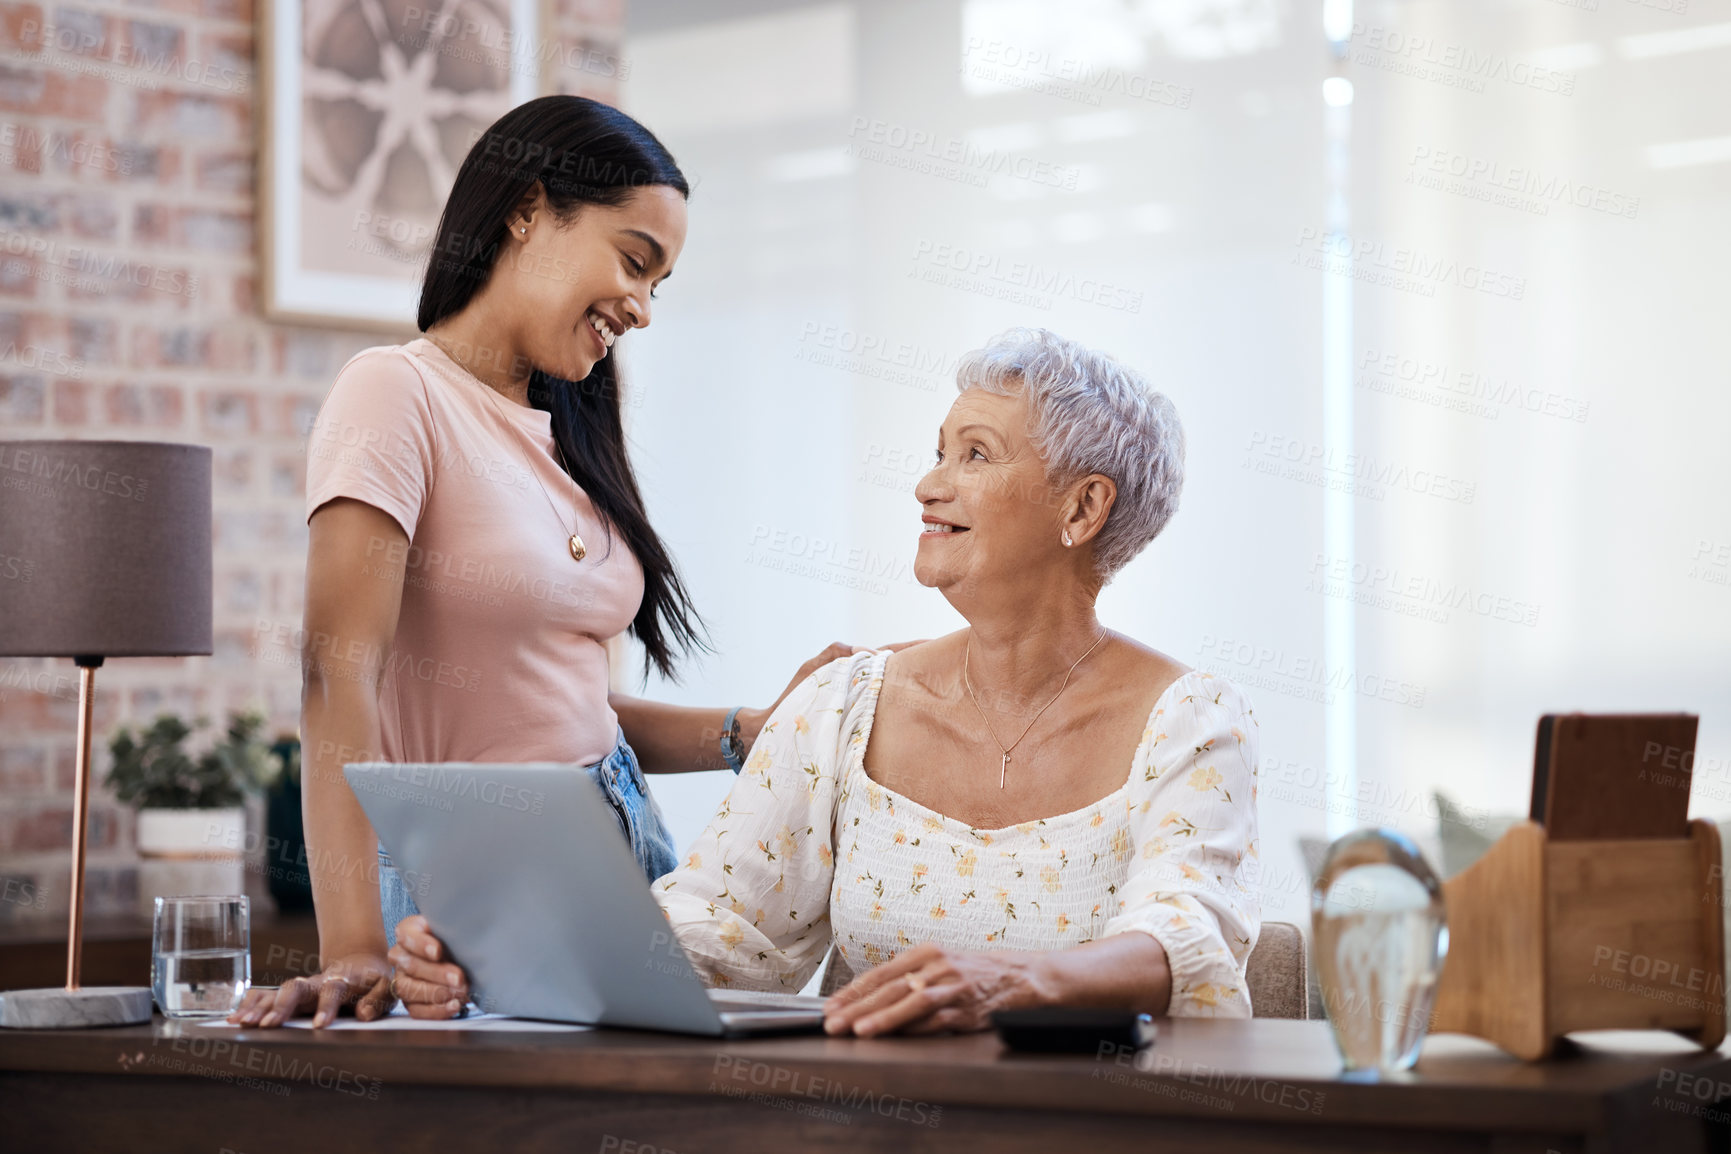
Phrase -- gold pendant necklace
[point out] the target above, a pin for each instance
(1004, 766)
(574, 542)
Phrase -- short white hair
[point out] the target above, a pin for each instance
(1091, 414)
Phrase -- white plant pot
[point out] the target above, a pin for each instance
(188, 852)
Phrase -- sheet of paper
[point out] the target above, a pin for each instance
(401, 1021)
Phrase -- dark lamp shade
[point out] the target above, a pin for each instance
(104, 549)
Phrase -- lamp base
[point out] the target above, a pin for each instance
(60, 1009)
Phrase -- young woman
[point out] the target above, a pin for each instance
(477, 534)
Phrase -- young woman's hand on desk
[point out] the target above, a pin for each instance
(428, 986)
(361, 980)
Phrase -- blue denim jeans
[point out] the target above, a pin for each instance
(622, 784)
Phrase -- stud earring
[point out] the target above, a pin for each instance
(523, 228)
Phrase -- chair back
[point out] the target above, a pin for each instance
(836, 973)
(1277, 974)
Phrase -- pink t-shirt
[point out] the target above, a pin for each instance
(499, 653)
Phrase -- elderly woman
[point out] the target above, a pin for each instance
(1105, 862)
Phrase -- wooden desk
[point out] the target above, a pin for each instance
(1216, 1086)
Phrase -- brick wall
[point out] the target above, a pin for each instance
(151, 169)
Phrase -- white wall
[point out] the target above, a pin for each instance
(1191, 170)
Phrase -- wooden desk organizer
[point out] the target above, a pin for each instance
(1546, 937)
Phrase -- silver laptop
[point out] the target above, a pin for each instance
(522, 872)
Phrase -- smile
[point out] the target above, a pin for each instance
(603, 331)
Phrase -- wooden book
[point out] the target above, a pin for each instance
(1613, 776)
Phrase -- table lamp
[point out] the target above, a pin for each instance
(113, 540)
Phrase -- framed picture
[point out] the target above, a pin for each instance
(366, 110)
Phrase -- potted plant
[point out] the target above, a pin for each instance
(191, 824)
(285, 836)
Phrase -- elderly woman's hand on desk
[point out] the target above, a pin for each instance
(428, 987)
(930, 989)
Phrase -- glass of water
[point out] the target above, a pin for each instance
(201, 955)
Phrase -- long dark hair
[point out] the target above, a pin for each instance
(581, 152)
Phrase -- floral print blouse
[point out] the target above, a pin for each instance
(807, 851)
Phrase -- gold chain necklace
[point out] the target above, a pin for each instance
(1004, 767)
(575, 543)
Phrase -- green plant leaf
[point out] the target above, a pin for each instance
(153, 770)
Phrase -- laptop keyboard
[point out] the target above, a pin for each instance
(751, 1001)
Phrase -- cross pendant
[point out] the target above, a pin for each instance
(1002, 770)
